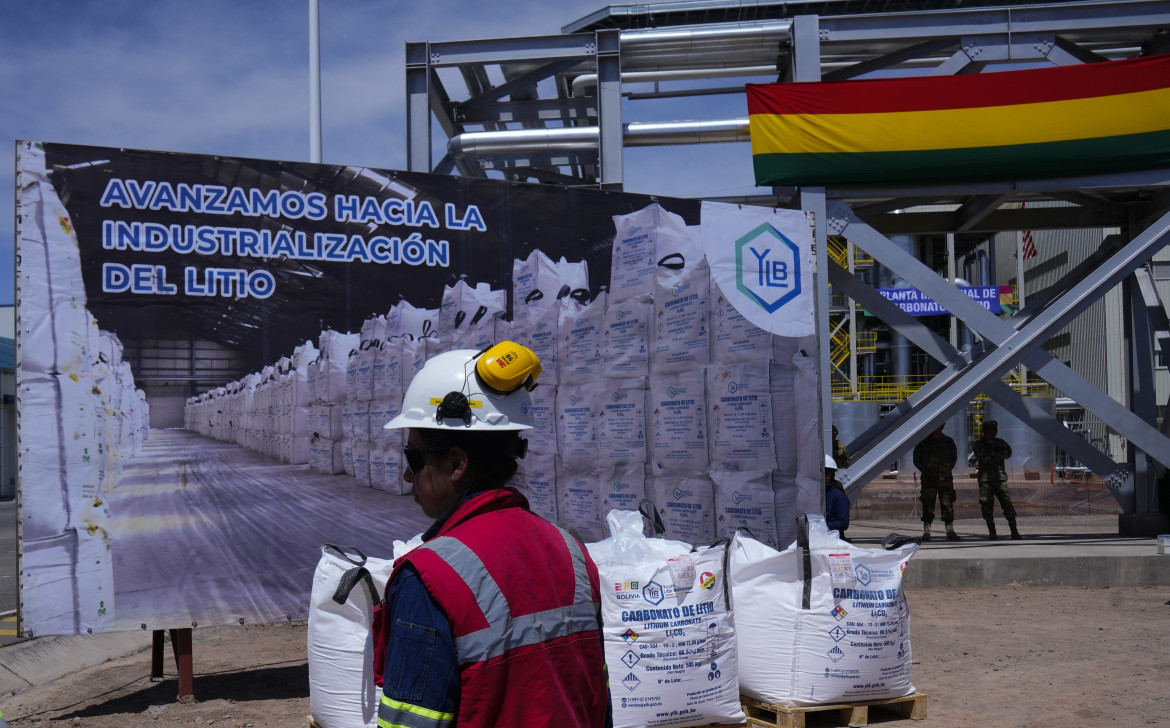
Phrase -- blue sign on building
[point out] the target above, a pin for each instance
(917, 303)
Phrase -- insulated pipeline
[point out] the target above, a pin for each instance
(634, 134)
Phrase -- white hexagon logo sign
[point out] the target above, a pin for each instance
(769, 267)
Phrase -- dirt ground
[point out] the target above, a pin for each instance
(1004, 656)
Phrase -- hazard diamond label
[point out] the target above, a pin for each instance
(631, 682)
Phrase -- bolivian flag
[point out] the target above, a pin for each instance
(1110, 116)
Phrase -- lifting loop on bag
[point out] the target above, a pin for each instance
(352, 576)
(806, 558)
(654, 518)
(725, 542)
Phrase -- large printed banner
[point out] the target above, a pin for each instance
(208, 348)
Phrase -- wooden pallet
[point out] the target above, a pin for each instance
(769, 715)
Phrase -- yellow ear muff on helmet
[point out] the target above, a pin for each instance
(508, 366)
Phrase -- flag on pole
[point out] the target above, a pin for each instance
(1028, 246)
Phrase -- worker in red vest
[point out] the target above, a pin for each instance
(495, 619)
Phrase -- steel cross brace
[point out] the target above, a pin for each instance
(865, 467)
(1016, 345)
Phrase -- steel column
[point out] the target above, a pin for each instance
(418, 108)
(609, 109)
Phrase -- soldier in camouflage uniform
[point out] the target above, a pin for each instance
(990, 454)
(840, 452)
(935, 459)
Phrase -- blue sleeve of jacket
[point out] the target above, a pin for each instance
(421, 667)
(836, 509)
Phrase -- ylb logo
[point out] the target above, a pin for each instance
(769, 267)
(863, 575)
(653, 593)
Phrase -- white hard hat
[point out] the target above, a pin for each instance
(448, 393)
(830, 463)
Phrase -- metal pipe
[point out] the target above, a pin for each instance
(681, 51)
(589, 80)
(315, 81)
(765, 35)
(564, 139)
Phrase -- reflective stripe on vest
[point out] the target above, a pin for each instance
(396, 714)
(505, 632)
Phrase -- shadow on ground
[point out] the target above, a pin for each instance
(237, 686)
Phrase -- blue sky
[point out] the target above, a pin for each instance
(230, 77)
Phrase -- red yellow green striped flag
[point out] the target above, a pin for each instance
(1110, 116)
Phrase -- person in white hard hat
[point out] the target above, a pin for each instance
(495, 619)
(836, 501)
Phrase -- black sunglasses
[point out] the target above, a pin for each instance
(415, 456)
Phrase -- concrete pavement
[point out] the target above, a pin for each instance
(1055, 551)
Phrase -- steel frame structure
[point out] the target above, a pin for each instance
(575, 134)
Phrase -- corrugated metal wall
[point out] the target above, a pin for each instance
(1162, 281)
(171, 369)
(1092, 345)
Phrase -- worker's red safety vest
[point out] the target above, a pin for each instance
(522, 599)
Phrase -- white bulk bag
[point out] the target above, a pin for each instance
(331, 365)
(733, 337)
(48, 601)
(579, 500)
(541, 333)
(642, 239)
(577, 406)
(326, 456)
(686, 505)
(407, 320)
(542, 438)
(540, 480)
(740, 423)
(479, 335)
(621, 420)
(381, 412)
(464, 307)
(360, 450)
(342, 693)
(391, 475)
(347, 457)
(681, 312)
(623, 486)
(302, 355)
(677, 421)
(745, 500)
(45, 509)
(94, 580)
(625, 337)
(668, 629)
(359, 372)
(391, 365)
(538, 282)
(838, 632)
(579, 355)
(373, 330)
